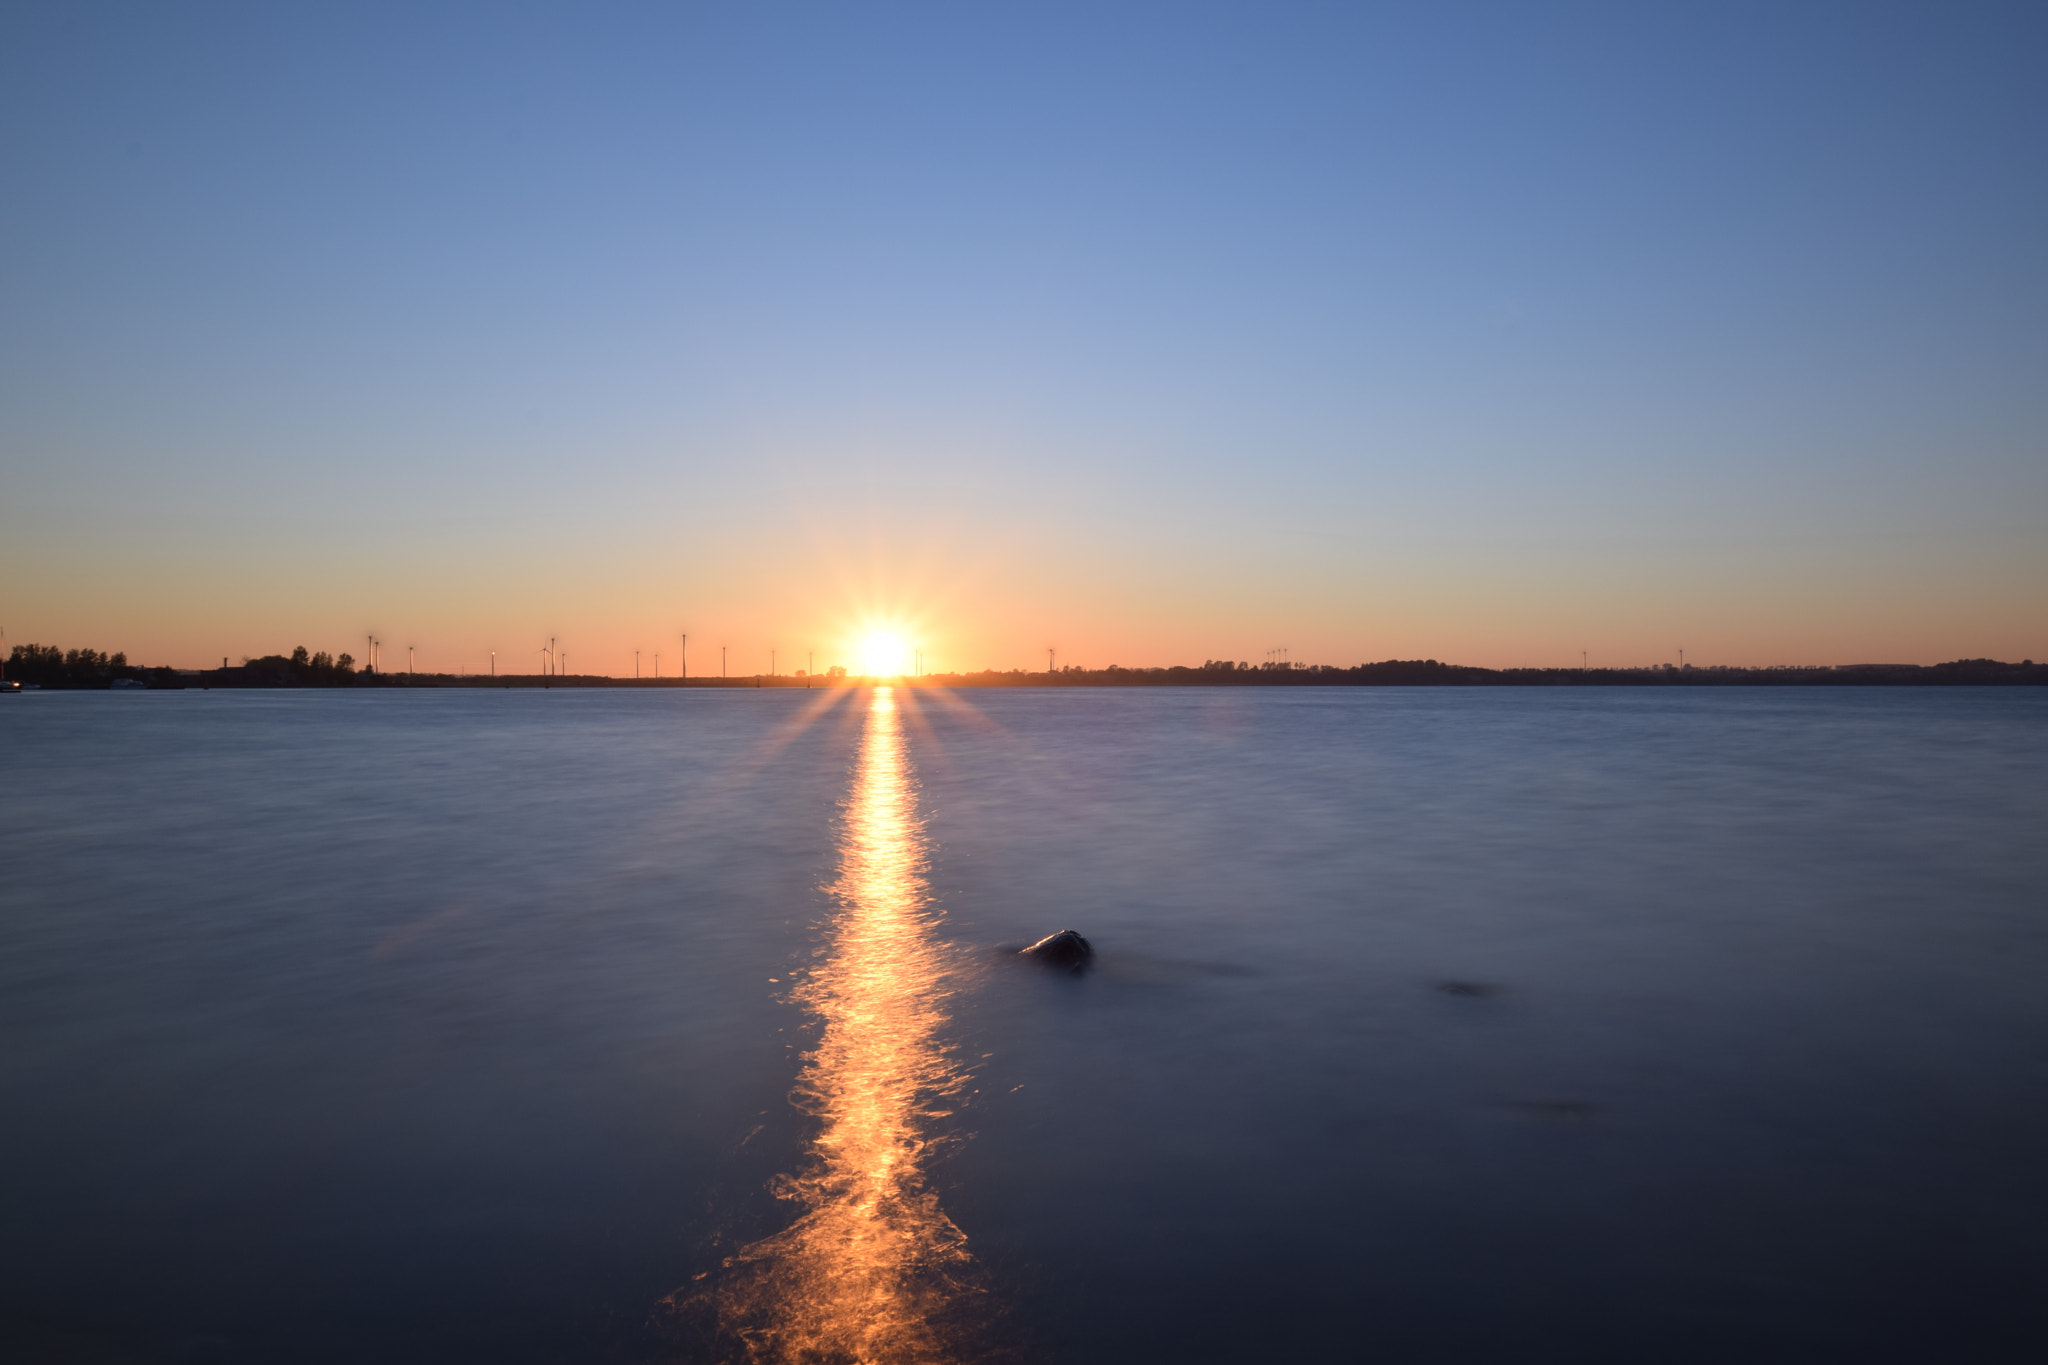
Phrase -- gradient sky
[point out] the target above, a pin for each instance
(1153, 333)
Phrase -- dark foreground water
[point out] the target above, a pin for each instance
(1427, 1025)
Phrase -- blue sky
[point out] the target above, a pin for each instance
(1157, 333)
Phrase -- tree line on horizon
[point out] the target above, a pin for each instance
(1434, 673)
(50, 667)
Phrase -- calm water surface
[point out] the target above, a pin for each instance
(1426, 1025)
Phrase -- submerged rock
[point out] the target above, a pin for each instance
(1066, 949)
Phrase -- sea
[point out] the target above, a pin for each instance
(610, 1025)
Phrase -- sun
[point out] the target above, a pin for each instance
(884, 656)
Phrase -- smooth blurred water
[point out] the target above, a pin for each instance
(461, 1025)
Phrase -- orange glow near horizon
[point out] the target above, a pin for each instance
(977, 595)
(873, 1265)
(973, 600)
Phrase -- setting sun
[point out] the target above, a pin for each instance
(884, 656)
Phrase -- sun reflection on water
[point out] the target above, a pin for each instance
(873, 1270)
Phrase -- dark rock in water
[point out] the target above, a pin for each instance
(1468, 988)
(1065, 949)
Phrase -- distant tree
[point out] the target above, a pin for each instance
(41, 665)
(90, 668)
(300, 668)
(272, 670)
(835, 671)
(49, 666)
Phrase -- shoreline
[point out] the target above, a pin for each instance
(1392, 673)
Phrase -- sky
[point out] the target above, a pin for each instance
(1146, 333)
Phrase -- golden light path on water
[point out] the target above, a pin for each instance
(873, 1270)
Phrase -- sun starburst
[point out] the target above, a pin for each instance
(884, 655)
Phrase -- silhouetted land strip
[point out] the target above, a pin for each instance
(49, 667)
